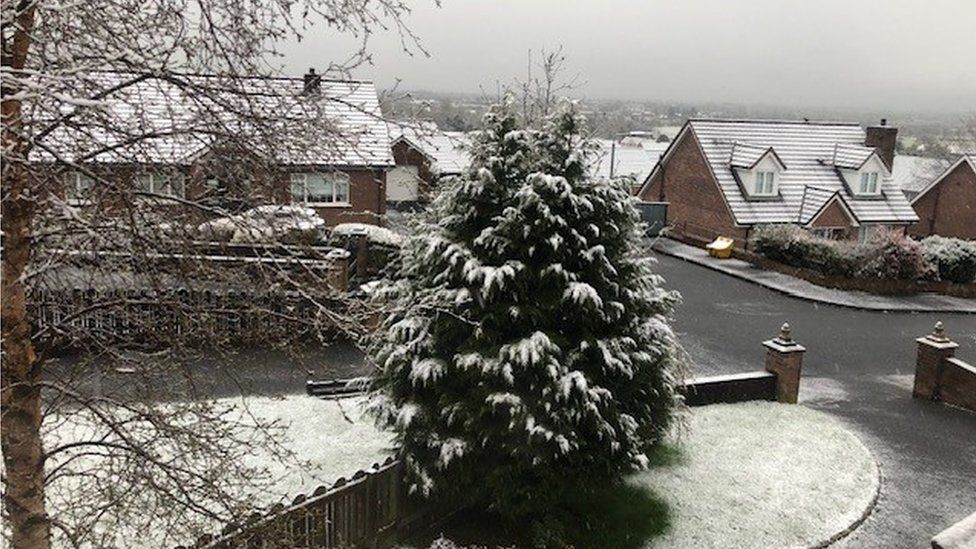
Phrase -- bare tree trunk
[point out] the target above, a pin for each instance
(20, 425)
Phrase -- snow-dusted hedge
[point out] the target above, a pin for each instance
(890, 255)
(272, 224)
(796, 247)
(952, 258)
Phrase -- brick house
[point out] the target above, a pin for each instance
(320, 142)
(947, 205)
(422, 154)
(724, 177)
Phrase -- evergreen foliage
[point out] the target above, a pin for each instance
(528, 351)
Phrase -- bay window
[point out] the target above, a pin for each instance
(161, 183)
(320, 188)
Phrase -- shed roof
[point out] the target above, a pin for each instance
(447, 150)
(627, 160)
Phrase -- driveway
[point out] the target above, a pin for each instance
(858, 367)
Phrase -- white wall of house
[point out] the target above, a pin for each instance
(402, 184)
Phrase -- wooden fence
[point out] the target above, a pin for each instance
(64, 317)
(365, 511)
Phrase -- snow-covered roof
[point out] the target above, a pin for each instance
(808, 150)
(633, 160)
(969, 159)
(851, 157)
(911, 174)
(338, 125)
(446, 150)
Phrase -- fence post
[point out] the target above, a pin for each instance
(933, 350)
(784, 357)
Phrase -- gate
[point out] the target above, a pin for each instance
(655, 214)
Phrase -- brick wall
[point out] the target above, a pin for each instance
(949, 208)
(696, 207)
(835, 217)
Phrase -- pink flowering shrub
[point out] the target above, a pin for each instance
(892, 255)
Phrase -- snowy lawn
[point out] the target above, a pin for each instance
(761, 474)
(749, 475)
(329, 439)
(333, 436)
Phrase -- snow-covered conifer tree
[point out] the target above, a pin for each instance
(528, 349)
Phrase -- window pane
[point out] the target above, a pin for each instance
(85, 183)
(342, 189)
(144, 183)
(319, 189)
(298, 187)
(175, 185)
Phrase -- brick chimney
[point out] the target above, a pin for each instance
(313, 82)
(883, 137)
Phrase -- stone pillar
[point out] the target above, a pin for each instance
(933, 350)
(784, 357)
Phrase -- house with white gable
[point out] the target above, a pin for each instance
(725, 177)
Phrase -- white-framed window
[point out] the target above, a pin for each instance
(161, 183)
(764, 183)
(831, 233)
(320, 188)
(77, 186)
(869, 183)
(865, 233)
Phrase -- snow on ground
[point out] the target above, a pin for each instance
(823, 391)
(334, 436)
(762, 474)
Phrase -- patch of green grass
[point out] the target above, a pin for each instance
(618, 516)
(621, 516)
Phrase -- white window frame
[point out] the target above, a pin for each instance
(761, 181)
(869, 184)
(167, 178)
(339, 180)
(73, 191)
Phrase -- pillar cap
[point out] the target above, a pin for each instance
(784, 342)
(938, 338)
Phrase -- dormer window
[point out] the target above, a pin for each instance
(764, 185)
(869, 183)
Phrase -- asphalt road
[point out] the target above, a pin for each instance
(858, 367)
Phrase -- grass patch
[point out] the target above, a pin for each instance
(619, 516)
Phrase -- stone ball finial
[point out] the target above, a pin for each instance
(938, 333)
(785, 332)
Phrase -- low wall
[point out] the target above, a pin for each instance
(730, 388)
(961, 535)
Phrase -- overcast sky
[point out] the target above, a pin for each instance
(863, 54)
